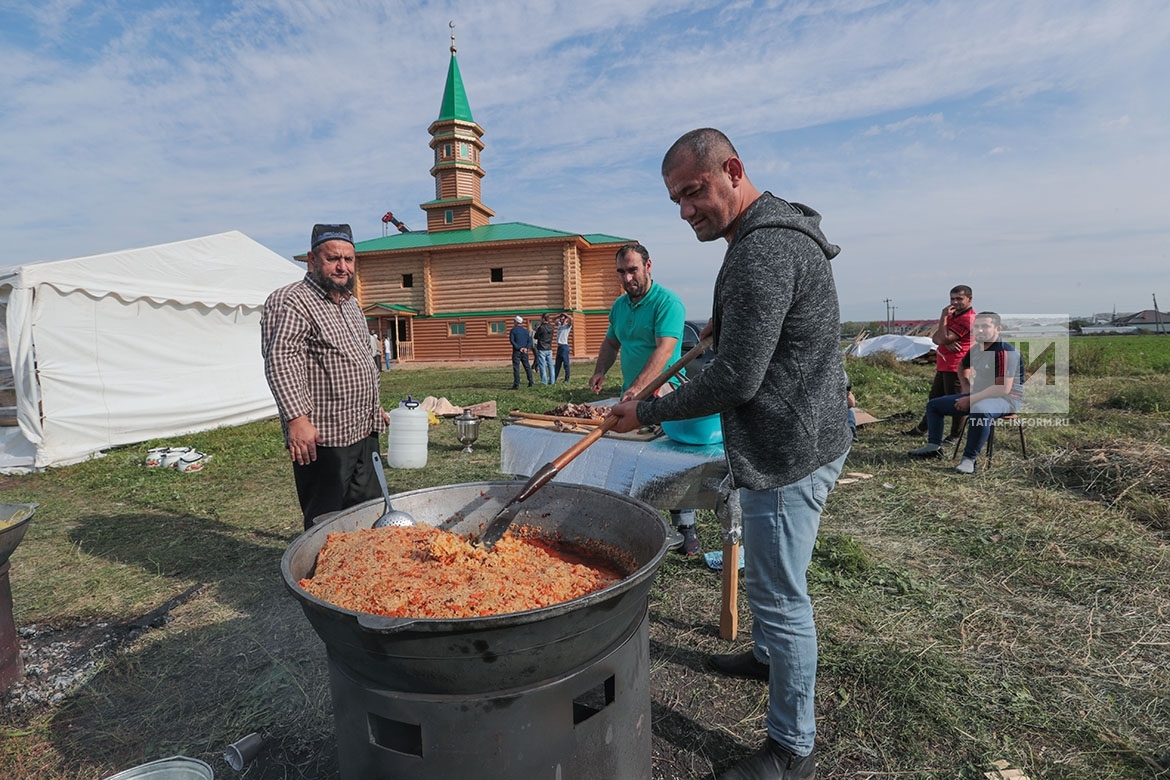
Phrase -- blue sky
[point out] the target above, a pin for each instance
(1020, 147)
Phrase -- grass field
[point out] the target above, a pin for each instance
(1020, 615)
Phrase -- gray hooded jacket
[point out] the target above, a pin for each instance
(778, 378)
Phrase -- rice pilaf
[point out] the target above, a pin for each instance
(422, 572)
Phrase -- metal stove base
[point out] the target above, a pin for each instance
(11, 665)
(591, 724)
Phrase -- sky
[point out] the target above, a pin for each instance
(1021, 148)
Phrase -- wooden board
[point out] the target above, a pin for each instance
(643, 434)
(554, 418)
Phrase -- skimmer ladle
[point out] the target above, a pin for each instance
(392, 516)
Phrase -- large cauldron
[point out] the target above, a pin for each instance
(475, 655)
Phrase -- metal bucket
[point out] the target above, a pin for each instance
(174, 768)
(475, 655)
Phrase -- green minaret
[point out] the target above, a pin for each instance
(457, 143)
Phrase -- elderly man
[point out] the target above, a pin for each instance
(646, 328)
(322, 374)
(521, 341)
(778, 382)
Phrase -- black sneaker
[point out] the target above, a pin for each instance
(772, 762)
(690, 545)
(927, 451)
(675, 541)
(743, 664)
(913, 432)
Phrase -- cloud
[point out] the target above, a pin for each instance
(123, 126)
(1119, 124)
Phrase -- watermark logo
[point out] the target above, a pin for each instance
(1042, 340)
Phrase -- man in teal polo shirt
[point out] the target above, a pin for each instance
(645, 328)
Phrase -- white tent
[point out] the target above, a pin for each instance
(128, 346)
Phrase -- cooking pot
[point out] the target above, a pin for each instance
(14, 522)
(482, 654)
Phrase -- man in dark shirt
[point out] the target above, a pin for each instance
(778, 383)
(995, 389)
(544, 356)
(521, 342)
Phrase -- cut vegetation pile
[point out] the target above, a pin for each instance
(1127, 474)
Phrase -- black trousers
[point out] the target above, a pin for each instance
(339, 478)
(520, 356)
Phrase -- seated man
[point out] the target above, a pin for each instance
(995, 390)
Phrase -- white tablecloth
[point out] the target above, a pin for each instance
(661, 472)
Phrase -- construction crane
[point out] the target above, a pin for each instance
(388, 219)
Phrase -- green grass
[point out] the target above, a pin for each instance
(1141, 355)
(1019, 614)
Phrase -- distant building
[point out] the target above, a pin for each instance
(1147, 320)
(450, 292)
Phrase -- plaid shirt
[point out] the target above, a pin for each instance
(318, 363)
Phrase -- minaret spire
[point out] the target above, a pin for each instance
(457, 142)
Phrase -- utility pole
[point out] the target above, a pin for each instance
(1158, 316)
(887, 301)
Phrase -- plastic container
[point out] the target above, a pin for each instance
(698, 431)
(409, 424)
(175, 768)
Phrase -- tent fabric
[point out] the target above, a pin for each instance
(904, 347)
(127, 346)
(207, 270)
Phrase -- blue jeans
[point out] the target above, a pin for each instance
(544, 364)
(779, 529)
(562, 360)
(979, 421)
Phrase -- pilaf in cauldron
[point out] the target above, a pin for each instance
(422, 572)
